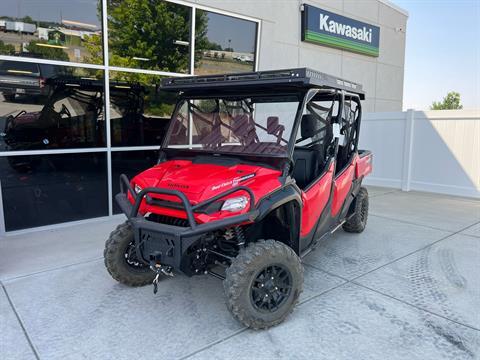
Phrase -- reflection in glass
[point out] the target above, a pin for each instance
(223, 44)
(50, 107)
(139, 111)
(249, 125)
(66, 30)
(46, 189)
(149, 34)
(129, 163)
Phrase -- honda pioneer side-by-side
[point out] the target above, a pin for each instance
(255, 169)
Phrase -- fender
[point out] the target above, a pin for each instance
(288, 194)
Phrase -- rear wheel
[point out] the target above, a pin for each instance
(263, 284)
(121, 259)
(357, 223)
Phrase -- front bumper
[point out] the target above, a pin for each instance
(167, 244)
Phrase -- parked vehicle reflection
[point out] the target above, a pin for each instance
(27, 81)
(72, 116)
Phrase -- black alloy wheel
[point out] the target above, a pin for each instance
(131, 257)
(271, 288)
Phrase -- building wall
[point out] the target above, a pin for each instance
(281, 45)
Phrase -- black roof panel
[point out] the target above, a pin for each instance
(265, 80)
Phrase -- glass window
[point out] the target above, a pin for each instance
(50, 107)
(319, 114)
(129, 163)
(223, 44)
(47, 189)
(67, 30)
(251, 125)
(139, 111)
(151, 35)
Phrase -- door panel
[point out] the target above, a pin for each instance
(343, 183)
(314, 200)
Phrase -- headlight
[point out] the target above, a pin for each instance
(137, 188)
(235, 204)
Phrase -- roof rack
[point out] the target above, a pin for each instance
(86, 82)
(299, 78)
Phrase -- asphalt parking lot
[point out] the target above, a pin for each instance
(408, 287)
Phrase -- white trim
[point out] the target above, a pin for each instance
(193, 14)
(52, 152)
(257, 45)
(383, 182)
(135, 148)
(51, 62)
(408, 150)
(62, 225)
(145, 71)
(106, 105)
(454, 190)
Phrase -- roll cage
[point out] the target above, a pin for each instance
(309, 85)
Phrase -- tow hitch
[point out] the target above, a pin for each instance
(159, 269)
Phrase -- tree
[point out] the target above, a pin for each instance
(6, 49)
(28, 19)
(145, 34)
(449, 102)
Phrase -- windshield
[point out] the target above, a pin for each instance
(258, 125)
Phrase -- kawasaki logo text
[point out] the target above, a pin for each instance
(332, 26)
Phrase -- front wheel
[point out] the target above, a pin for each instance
(263, 284)
(121, 260)
(357, 222)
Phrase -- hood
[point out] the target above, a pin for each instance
(200, 181)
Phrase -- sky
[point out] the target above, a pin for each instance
(241, 32)
(442, 52)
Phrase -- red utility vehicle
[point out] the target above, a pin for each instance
(254, 170)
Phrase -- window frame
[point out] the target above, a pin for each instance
(106, 68)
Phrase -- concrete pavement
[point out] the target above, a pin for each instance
(406, 288)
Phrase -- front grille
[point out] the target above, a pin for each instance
(168, 220)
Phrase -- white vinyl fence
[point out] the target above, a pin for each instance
(433, 151)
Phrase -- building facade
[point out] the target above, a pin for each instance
(80, 96)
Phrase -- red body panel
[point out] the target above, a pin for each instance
(343, 183)
(364, 165)
(359, 167)
(200, 182)
(314, 201)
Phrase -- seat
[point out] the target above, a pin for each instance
(243, 128)
(308, 161)
(305, 163)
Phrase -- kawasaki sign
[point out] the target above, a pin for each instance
(326, 28)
